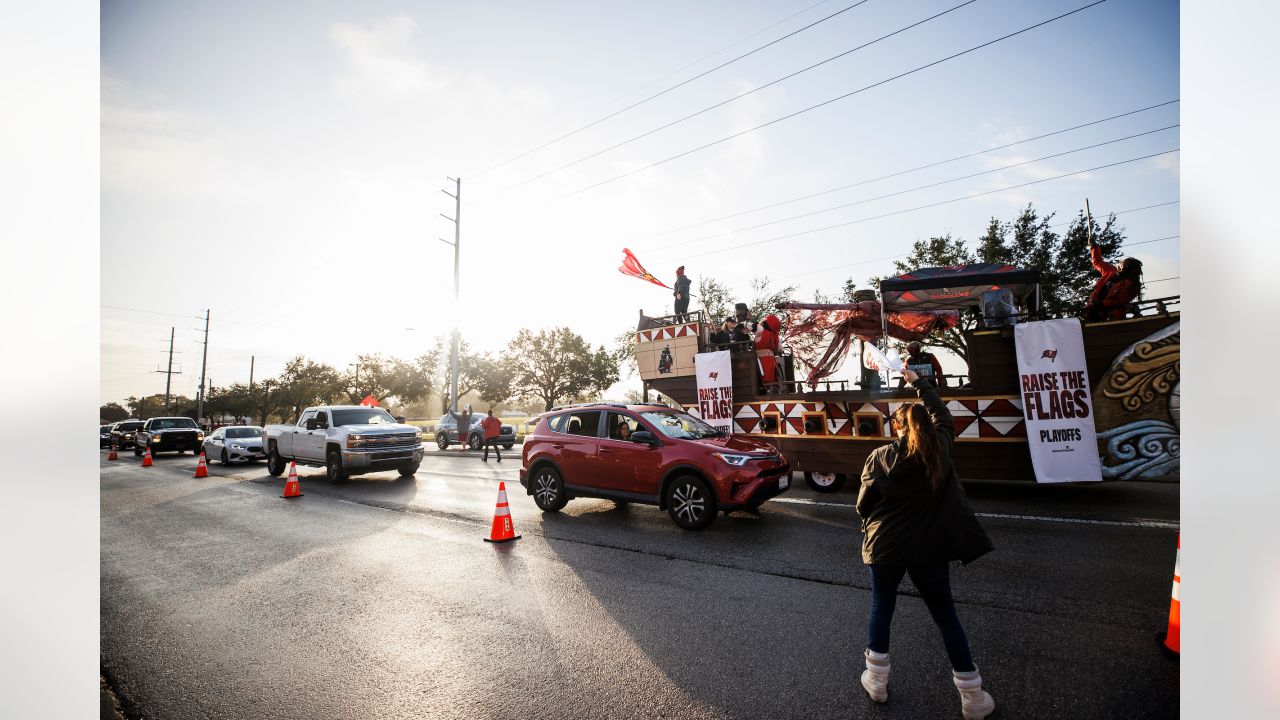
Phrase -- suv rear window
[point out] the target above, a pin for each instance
(585, 423)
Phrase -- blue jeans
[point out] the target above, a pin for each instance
(934, 583)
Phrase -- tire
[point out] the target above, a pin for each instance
(508, 446)
(275, 463)
(548, 489)
(690, 502)
(442, 441)
(408, 470)
(225, 459)
(475, 442)
(136, 451)
(333, 467)
(825, 482)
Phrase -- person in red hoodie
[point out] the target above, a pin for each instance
(492, 427)
(768, 346)
(1115, 290)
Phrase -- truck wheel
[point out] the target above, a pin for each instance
(690, 503)
(548, 490)
(442, 441)
(508, 446)
(136, 451)
(408, 470)
(475, 442)
(333, 464)
(275, 463)
(825, 482)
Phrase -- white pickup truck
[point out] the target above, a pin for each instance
(345, 440)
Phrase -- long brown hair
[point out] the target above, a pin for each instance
(922, 443)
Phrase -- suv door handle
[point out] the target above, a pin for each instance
(558, 446)
(606, 450)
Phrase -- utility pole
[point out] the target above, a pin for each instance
(251, 373)
(204, 358)
(457, 246)
(169, 373)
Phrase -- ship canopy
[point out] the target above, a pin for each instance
(956, 287)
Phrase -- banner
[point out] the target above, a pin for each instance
(878, 361)
(1056, 402)
(715, 389)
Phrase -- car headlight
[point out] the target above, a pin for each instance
(128, 436)
(235, 446)
(155, 438)
(200, 436)
(734, 460)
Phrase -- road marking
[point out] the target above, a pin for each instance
(1140, 522)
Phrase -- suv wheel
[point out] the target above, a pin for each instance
(475, 442)
(333, 465)
(508, 446)
(442, 441)
(548, 489)
(690, 503)
(824, 482)
(275, 463)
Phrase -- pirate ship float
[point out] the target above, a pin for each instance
(826, 428)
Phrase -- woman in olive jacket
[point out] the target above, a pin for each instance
(915, 520)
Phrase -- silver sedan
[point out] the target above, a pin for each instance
(234, 443)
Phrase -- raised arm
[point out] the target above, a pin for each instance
(1099, 263)
(937, 408)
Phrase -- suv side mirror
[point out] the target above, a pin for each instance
(644, 436)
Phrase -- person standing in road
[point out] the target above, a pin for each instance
(492, 427)
(682, 294)
(463, 422)
(915, 521)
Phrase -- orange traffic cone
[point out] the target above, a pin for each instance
(291, 486)
(502, 530)
(112, 455)
(146, 459)
(202, 470)
(1171, 640)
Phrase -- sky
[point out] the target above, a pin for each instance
(280, 164)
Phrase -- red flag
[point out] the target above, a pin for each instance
(369, 401)
(631, 266)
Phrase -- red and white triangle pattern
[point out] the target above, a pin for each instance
(974, 419)
(669, 332)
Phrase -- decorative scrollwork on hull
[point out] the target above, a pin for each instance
(1151, 371)
(1141, 450)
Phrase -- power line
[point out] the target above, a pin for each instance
(664, 92)
(914, 189)
(902, 172)
(740, 95)
(1122, 212)
(930, 205)
(708, 56)
(834, 99)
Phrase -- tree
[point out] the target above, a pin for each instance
(558, 363)
(716, 299)
(111, 412)
(941, 251)
(153, 406)
(494, 378)
(387, 378)
(764, 299)
(305, 383)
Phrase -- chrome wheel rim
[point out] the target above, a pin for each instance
(689, 503)
(823, 479)
(545, 489)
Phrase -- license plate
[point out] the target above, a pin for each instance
(784, 482)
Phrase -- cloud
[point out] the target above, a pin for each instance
(379, 56)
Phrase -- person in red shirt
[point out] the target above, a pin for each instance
(768, 346)
(1115, 290)
(492, 427)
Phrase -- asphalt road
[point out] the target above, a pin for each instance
(377, 598)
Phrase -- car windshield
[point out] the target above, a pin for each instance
(103, 428)
(362, 416)
(681, 426)
(171, 423)
(244, 432)
(130, 426)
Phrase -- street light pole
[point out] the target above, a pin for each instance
(457, 246)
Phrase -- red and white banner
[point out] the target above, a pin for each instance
(715, 389)
(1056, 402)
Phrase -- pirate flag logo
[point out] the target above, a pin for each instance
(665, 361)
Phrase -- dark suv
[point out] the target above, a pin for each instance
(122, 433)
(169, 434)
(447, 433)
(648, 454)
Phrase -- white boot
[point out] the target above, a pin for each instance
(975, 703)
(875, 679)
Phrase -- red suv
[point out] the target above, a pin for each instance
(648, 454)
